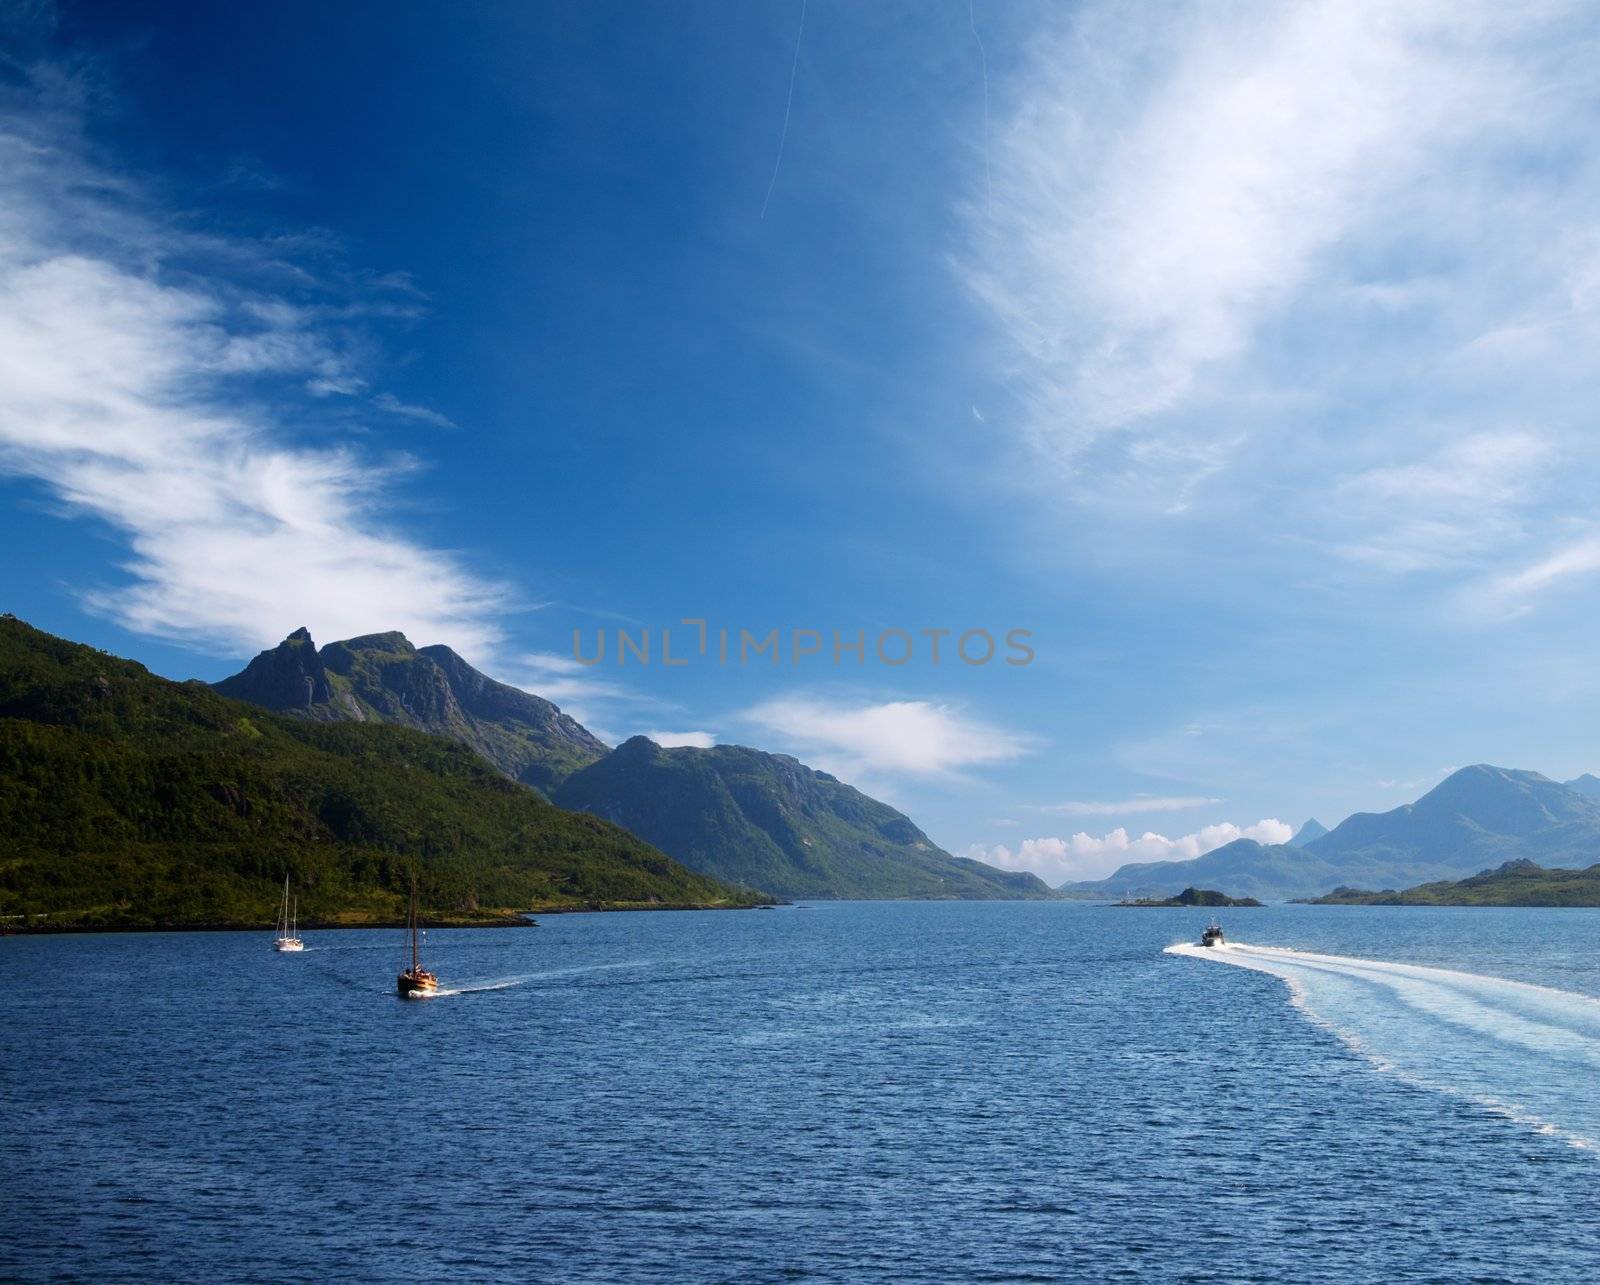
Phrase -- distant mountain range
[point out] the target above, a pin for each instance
(1311, 831)
(1477, 818)
(382, 678)
(1243, 868)
(127, 800)
(768, 821)
(761, 820)
(1516, 883)
(1587, 785)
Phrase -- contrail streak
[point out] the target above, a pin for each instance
(788, 107)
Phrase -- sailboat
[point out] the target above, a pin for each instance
(288, 923)
(415, 982)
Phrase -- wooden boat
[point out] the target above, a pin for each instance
(415, 982)
(288, 923)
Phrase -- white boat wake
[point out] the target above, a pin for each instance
(522, 979)
(1527, 1052)
(474, 988)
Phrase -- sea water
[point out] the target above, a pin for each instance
(894, 1091)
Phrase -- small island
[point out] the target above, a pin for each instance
(1194, 897)
(1516, 883)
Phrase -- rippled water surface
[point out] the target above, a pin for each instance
(842, 1091)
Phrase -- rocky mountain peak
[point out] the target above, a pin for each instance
(290, 676)
(382, 677)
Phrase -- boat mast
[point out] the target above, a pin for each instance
(416, 962)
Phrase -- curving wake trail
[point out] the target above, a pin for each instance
(522, 979)
(1528, 1052)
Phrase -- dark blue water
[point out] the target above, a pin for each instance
(843, 1092)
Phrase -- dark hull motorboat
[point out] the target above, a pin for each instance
(416, 982)
(1213, 935)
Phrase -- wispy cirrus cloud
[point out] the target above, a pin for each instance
(147, 381)
(1139, 803)
(1328, 268)
(1169, 184)
(613, 711)
(392, 404)
(598, 703)
(1515, 591)
(1445, 508)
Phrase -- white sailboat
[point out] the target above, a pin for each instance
(288, 923)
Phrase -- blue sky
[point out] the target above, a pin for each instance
(1242, 354)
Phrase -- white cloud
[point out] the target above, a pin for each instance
(906, 738)
(1445, 508)
(598, 703)
(1514, 590)
(1327, 269)
(1140, 803)
(142, 375)
(1146, 226)
(543, 663)
(1483, 468)
(669, 740)
(392, 404)
(1087, 856)
(564, 682)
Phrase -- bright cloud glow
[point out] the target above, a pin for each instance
(133, 392)
(671, 740)
(906, 738)
(1087, 856)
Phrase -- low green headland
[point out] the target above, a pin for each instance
(1516, 883)
(1194, 897)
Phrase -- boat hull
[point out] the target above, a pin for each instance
(288, 944)
(417, 985)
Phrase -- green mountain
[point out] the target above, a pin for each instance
(1516, 883)
(128, 800)
(382, 678)
(767, 821)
